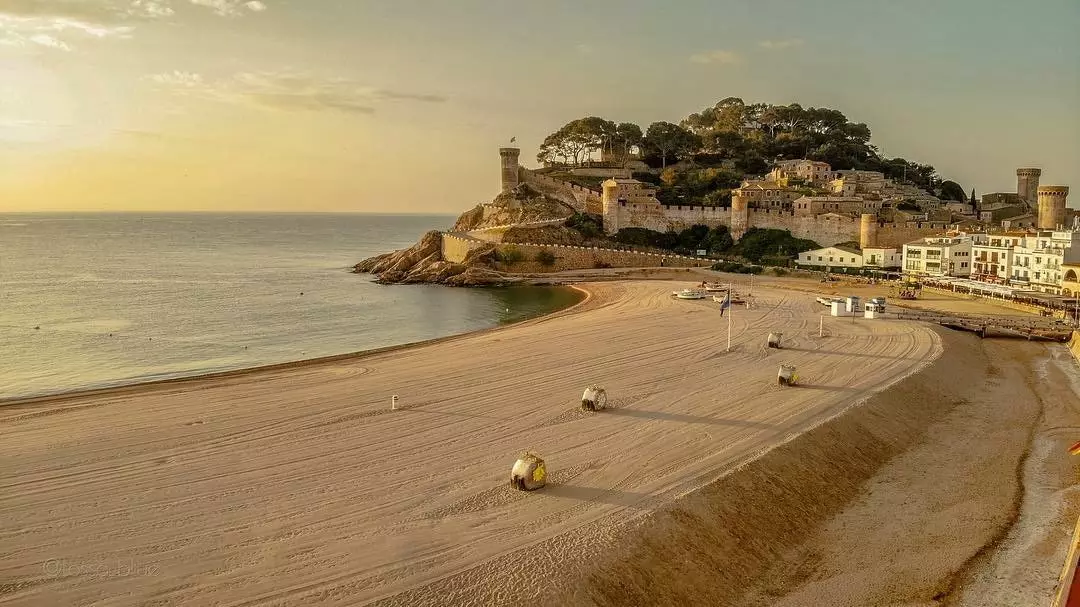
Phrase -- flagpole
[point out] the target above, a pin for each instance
(730, 311)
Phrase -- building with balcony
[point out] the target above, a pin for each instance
(938, 256)
(992, 255)
(1040, 263)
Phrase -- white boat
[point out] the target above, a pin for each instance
(715, 288)
(690, 294)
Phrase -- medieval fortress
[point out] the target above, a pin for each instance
(806, 197)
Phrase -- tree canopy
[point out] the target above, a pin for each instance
(669, 141)
(749, 138)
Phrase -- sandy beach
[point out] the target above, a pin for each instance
(298, 486)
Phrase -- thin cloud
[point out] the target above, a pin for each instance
(779, 45)
(584, 49)
(231, 8)
(288, 91)
(49, 41)
(61, 24)
(718, 57)
(178, 79)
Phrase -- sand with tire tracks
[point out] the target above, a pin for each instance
(298, 485)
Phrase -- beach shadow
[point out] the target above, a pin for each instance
(821, 387)
(684, 418)
(816, 351)
(598, 495)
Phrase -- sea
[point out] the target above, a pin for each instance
(98, 300)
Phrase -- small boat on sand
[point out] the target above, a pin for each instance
(715, 287)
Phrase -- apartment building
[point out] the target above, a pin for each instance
(992, 255)
(938, 256)
(1039, 262)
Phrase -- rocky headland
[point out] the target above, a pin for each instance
(424, 262)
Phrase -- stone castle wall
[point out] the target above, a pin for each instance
(584, 258)
(581, 199)
(826, 230)
(455, 248)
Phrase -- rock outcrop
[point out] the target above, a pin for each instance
(423, 263)
(520, 205)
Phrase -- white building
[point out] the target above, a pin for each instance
(882, 258)
(834, 257)
(878, 258)
(938, 256)
(1037, 262)
(992, 256)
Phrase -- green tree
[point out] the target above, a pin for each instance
(628, 135)
(669, 141)
(573, 142)
(950, 190)
(718, 240)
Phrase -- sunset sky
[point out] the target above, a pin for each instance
(399, 106)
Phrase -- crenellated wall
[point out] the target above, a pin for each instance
(581, 199)
(826, 230)
(455, 248)
(583, 258)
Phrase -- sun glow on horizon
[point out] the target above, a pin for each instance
(270, 105)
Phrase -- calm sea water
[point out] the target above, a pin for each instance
(97, 300)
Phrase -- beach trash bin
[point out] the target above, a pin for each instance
(774, 340)
(786, 375)
(528, 473)
(594, 398)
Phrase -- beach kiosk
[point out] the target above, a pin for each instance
(852, 304)
(872, 310)
(774, 340)
(836, 308)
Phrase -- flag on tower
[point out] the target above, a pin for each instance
(724, 305)
(513, 139)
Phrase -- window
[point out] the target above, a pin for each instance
(819, 258)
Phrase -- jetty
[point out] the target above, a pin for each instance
(1032, 328)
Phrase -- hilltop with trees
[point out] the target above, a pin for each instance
(716, 147)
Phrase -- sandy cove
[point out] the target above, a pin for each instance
(297, 486)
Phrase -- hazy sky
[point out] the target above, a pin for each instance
(399, 105)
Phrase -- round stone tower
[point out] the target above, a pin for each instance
(509, 167)
(610, 206)
(740, 216)
(1052, 199)
(868, 227)
(1027, 185)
